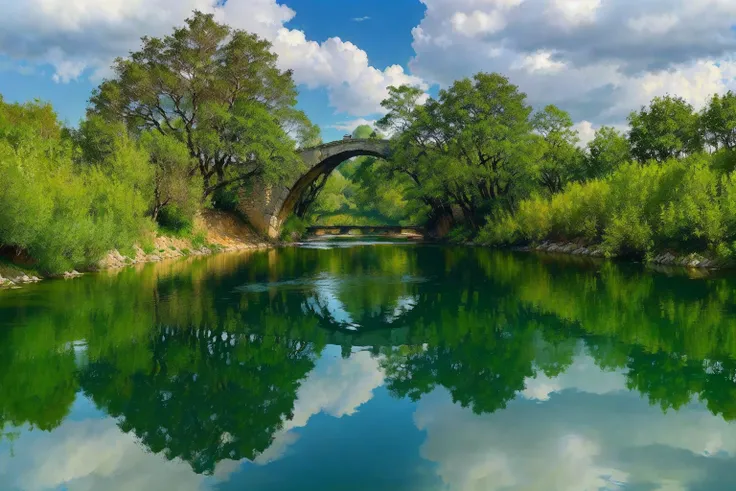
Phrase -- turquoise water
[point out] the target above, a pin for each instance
(362, 366)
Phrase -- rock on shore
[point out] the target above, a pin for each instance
(692, 260)
(224, 233)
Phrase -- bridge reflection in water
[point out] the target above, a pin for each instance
(397, 231)
(188, 371)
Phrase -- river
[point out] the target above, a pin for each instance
(366, 366)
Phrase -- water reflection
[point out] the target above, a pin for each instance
(416, 366)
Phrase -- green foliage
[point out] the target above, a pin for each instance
(472, 147)
(227, 199)
(294, 228)
(400, 106)
(196, 114)
(681, 204)
(64, 210)
(719, 121)
(147, 246)
(96, 139)
(693, 217)
(606, 152)
(217, 91)
(308, 134)
(460, 234)
(562, 160)
(363, 131)
(199, 239)
(502, 229)
(175, 183)
(668, 128)
(357, 193)
(173, 221)
(478, 148)
(333, 196)
(628, 233)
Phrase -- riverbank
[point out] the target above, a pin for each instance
(220, 232)
(664, 258)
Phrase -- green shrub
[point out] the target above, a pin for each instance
(628, 234)
(65, 213)
(580, 211)
(693, 216)
(226, 199)
(174, 221)
(147, 246)
(199, 239)
(501, 229)
(294, 228)
(686, 204)
(460, 234)
(533, 220)
(727, 202)
(172, 185)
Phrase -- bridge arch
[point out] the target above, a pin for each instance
(267, 209)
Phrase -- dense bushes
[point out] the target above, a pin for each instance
(294, 228)
(685, 204)
(66, 213)
(517, 176)
(189, 119)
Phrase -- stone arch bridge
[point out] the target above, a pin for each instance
(268, 207)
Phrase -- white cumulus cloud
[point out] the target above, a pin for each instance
(337, 387)
(581, 431)
(597, 59)
(95, 454)
(350, 125)
(76, 36)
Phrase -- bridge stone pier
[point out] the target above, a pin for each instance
(267, 207)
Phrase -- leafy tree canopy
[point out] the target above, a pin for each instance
(667, 128)
(606, 152)
(218, 91)
(719, 121)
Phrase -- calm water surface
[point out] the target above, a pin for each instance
(370, 366)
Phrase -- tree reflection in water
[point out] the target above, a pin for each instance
(202, 359)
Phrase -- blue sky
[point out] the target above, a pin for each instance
(597, 59)
(381, 28)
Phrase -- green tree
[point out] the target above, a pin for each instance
(410, 144)
(562, 159)
(719, 121)
(363, 131)
(333, 196)
(63, 206)
(400, 107)
(189, 403)
(667, 128)
(95, 139)
(218, 91)
(308, 134)
(472, 147)
(173, 184)
(606, 152)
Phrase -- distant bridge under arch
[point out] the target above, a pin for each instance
(268, 207)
